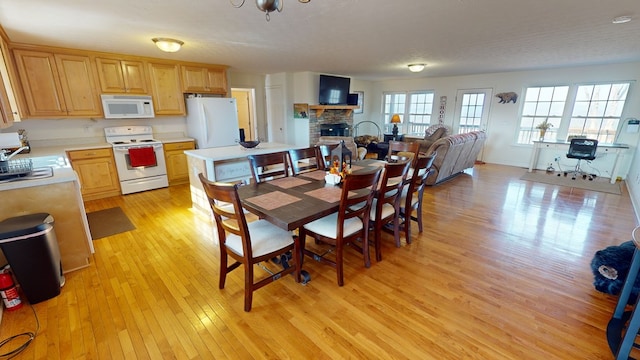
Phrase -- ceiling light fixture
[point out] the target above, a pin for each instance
(621, 19)
(267, 5)
(167, 44)
(416, 67)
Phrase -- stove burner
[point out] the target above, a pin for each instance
(147, 140)
(119, 142)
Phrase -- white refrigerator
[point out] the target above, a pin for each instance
(213, 122)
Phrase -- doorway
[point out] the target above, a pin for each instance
(245, 99)
(472, 112)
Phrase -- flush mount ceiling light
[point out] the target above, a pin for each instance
(416, 67)
(167, 44)
(621, 19)
(266, 5)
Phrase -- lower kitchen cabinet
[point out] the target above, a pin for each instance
(177, 168)
(97, 172)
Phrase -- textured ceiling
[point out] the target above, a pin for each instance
(365, 39)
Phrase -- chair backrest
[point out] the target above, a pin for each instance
(273, 165)
(392, 181)
(584, 149)
(229, 219)
(420, 174)
(358, 190)
(324, 154)
(303, 160)
(401, 148)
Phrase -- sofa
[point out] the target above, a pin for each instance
(432, 134)
(455, 153)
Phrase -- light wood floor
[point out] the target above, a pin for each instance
(501, 272)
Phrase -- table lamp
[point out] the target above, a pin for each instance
(395, 120)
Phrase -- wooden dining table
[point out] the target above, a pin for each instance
(291, 202)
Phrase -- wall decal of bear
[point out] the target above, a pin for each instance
(507, 97)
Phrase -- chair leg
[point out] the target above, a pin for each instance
(396, 228)
(223, 269)
(407, 224)
(419, 214)
(377, 243)
(248, 287)
(339, 267)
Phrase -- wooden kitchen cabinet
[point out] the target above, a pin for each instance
(79, 89)
(166, 88)
(8, 104)
(177, 168)
(97, 172)
(200, 79)
(121, 76)
(57, 85)
(6, 115)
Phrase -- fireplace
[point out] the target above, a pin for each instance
(340, 129)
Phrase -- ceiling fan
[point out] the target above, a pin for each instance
(267, 5)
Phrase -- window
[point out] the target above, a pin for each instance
(471, 112)
(597, 111)
(541, 104)
(415, 110)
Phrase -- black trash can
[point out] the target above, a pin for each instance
(29, 243)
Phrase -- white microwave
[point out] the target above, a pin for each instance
(127, 106)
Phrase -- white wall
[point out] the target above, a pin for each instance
(502, 126)
(257, 82)
(503, 121)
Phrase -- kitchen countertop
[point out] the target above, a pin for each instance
(52, 153)
(237, 151)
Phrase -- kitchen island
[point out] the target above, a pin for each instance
(58, 195)
(227, 163)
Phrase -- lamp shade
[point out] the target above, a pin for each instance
(395, 119)
(167, 44)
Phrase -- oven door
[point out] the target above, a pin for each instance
(153, 166)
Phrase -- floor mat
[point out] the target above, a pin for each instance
(108, 222)
(597, 184)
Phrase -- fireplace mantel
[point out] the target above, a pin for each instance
(321, 108)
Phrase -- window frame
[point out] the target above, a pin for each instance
(406, 113)
(561, 130)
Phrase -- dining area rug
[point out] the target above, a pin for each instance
(108, 222)
(600, 184)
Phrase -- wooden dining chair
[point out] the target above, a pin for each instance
(248, 243)
(324, 154)
(401, 148)
(385, 208)
(411, 198)
(304, 160)
(346, 226)
(269, 166)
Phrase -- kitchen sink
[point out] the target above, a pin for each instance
(36, 173)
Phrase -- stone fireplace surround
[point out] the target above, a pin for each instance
(328, 117)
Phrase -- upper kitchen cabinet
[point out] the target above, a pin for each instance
(8, 104)
(121, 76)
(78, 85)
(166, 88)
(201, 79)
(57, 85)
(6, 114)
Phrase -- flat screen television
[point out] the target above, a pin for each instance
(334, 90)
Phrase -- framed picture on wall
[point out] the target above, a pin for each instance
(360, 109)
(300, 111)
